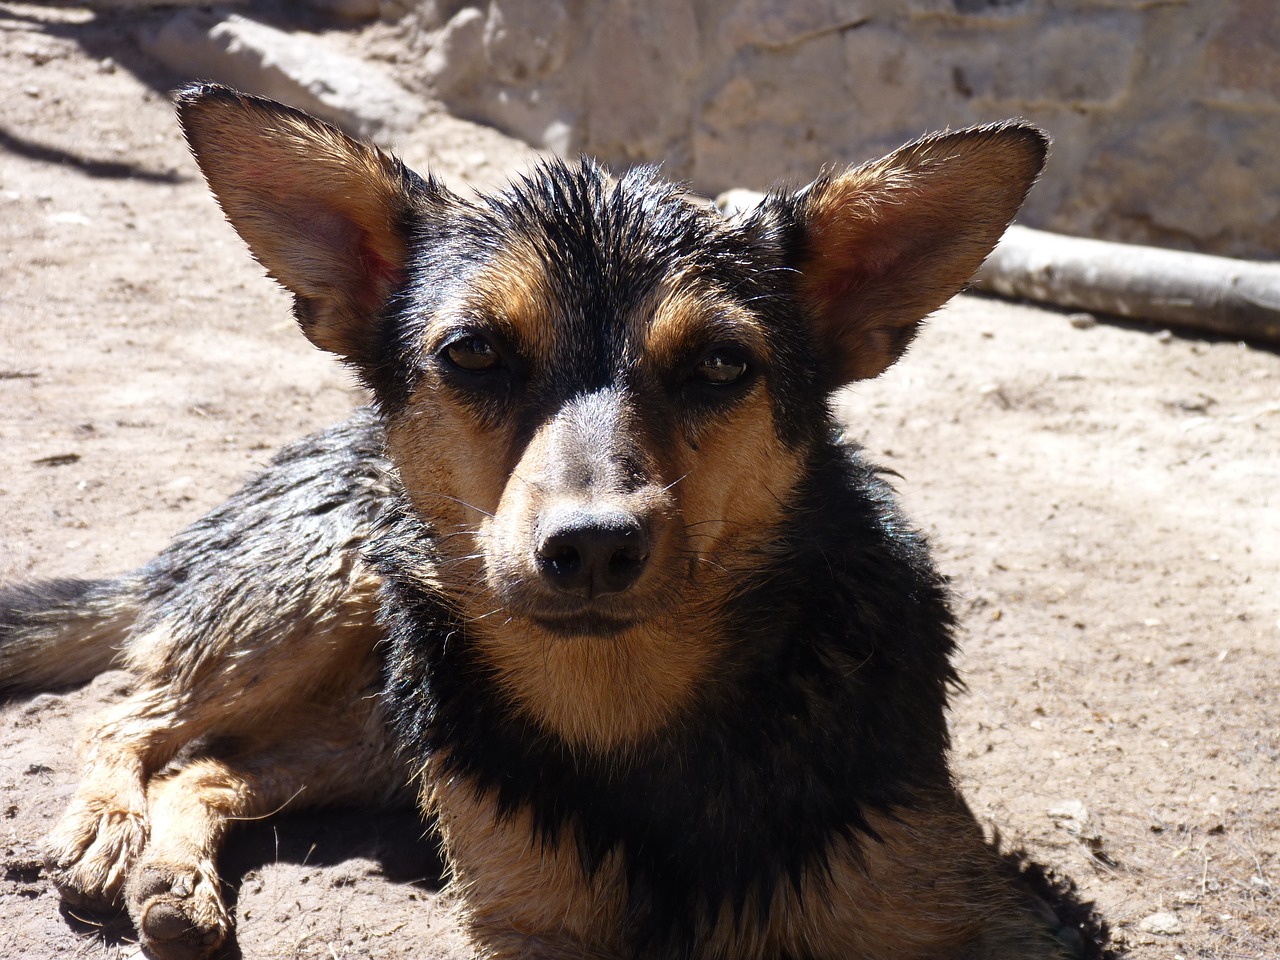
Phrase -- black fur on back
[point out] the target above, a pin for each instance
(22, 604)
(281, 532)
(830, 704)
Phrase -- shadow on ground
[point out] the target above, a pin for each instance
(397, 841)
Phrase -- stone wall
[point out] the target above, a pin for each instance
(1165, 113)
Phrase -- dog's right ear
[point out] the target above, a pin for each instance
(328, 216)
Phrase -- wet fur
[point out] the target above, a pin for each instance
(740, 753)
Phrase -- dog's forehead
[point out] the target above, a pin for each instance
(571, 256)
(583, 211)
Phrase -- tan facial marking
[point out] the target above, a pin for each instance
(723, 493)
(734, 472)
(736, 484)
(515, 294)
(597, 691)
(684, 316)
(455, 468)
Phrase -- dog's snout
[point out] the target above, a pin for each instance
(591, 553)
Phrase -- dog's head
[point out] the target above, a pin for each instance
(601, 394)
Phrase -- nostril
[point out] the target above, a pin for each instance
(561, 558)
(627, 558)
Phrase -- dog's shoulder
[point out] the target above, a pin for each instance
(280, 552)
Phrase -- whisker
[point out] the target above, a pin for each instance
(271, 813)
(673, 483)
(712, 563)
(464, 503)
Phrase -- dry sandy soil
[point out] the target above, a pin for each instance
(1105, 498)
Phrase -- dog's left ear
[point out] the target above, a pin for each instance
(887, 243)
(328, 216)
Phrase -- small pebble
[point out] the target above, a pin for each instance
(1166, 924)
(1069, 810)
(1082, 321)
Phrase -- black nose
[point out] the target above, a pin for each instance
(590, 553)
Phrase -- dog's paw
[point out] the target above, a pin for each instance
(91, 850)
(177, 908)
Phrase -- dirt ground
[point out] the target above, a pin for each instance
(1105, 497)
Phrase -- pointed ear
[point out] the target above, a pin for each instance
(887, 243)
(328, 216)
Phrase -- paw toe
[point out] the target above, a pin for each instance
(164, 921)
(89, 889)
(148, 883)
(177, 911)
(171, 934)
(88, 856)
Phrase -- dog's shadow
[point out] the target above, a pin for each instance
(403, 847)
(406, 851)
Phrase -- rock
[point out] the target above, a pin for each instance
(1072, 810)
(644, 55)
(455, 62)
(779, 24)
(293, 68)
(1165, 924)
(1164, 115)
(1241, 54)
(524, 44)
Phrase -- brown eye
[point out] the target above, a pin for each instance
(721, 368)
(472, 353)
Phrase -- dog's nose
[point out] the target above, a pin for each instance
(591, 553)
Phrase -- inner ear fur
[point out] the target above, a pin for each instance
(327, 215)
(887, 243)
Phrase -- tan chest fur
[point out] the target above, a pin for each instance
(927, 880)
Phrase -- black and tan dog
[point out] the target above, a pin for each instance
(654, 646)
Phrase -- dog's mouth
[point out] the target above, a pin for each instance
(583, 623)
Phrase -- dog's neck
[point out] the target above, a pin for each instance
(601, 692)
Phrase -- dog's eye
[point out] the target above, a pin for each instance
(721, 368)
(473, 354)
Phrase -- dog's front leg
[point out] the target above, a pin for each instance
(317, 754)
(174, 894)
(94, 845)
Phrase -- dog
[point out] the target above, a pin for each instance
(594, 575)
